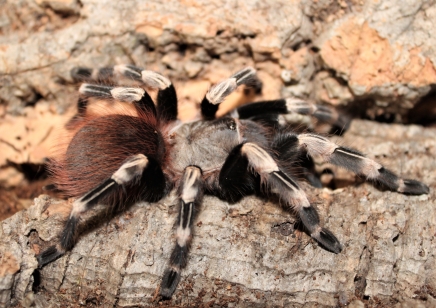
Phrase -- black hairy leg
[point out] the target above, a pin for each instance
(166, 95)
(131, 172)
(293, 159)
(322, 113)
(235, 180)
(166, 109)
(190, 195)
(217, 93)
(359, 164)
(279, 182)
(136, 96)
(84, 74)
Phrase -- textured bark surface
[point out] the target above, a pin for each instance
(248, 253)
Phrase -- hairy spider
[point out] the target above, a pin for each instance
(119, 159)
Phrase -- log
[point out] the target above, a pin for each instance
(251, 253)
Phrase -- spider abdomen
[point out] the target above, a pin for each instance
(99, 148)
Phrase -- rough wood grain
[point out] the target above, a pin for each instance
(246, 254)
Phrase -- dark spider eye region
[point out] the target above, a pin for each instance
(231, 124)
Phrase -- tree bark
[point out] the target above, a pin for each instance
(245, 254)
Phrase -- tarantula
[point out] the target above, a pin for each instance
(119, 159)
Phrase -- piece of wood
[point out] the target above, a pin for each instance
(248, 253)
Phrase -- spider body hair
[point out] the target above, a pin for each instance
(90, 158)
(118, 159)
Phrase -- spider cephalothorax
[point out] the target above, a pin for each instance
(118, 159)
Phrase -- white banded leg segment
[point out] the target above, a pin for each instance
(191, 184)
(296, 105)
(136, 96)
(359, 164)
(259, 159)
(124, 94)
(131, 169)
(220, 91)
(129, 71)
(341, 156)
(292, 106)
(217, 93)
(356, 162)
(149, 78)
(191, 192)
(246, 76)
(289, 191)
(82, 204)
(128, 95)
(280, 183)
(155, 80)
(95, 90)
(317, 145)
(322, 113)
(166, 96)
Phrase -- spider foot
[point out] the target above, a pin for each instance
(48, 255)
(327, 240)
(413, 187)
(169, 283)
(310, 219)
